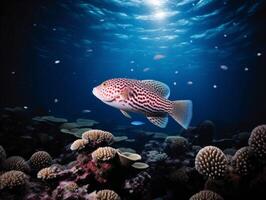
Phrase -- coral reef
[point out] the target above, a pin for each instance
(98, 138)
(175, 145)
(2, 154)
(16, 163)
(106, 195)
(241, 161)
(103, 154)
(206, 195)
(12, 179)
(211, 161)
(40, 159)
(78, 144)
(257, 141)
(48, 173)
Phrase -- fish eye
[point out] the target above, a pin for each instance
(104, 84)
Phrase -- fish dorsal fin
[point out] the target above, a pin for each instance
(157, 87)
(125, 114)
(160, 121)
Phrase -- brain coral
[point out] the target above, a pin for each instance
(40, 159)
(78, 144)
(98, 137)
(241, 161)
(2, 154)
(16, 163)
(104, 154)
(12, 179)
(257, 141)
(48, 173)
(211, 161)
(206, 195)
(107, 195)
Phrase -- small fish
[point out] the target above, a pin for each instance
(148, 97)
(146, 69)
(86, 111)
(137, 123)
(158, 57)
(224, 67)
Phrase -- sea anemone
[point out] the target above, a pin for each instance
(78, 144)
(241, 161)
(2, 154)
(104, 154)
(98, 137)
(16, 163)
(40, 159)
(107, 195)
(206, 195)
(211, 161)
(12, 179)
(48, 173)
(257, 141)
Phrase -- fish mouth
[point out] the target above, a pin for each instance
(96, 93)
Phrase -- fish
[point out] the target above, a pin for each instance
(137, 123)
(147, 97)
(158, 57)
(86, 111)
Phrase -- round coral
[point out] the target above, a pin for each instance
(98, 137)
(48, 173)
(206, 195)
(175, 145)
(16, 163)
(211, 161)
(71, 186)
(40, 159)
(241, 161)
(78, 144)
(257, 141)
(104, 154)
(2, 154)
(12, 179)
(107, 195)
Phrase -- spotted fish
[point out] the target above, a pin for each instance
(148, 97)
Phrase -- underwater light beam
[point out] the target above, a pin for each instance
(160, 15)
(155, 2)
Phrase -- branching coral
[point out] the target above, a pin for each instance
(40, 159)
(241, 161)
(78, 144)
(12, 179)
(206, 195)
(104, 154)
(98, 138)
(257, 141)
(16, 163)
(48, 173)
(107, 195)
(211, 161)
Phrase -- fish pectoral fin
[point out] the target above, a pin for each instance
(160, 121)
(126, 93)
(125, 114)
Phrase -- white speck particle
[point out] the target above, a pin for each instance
(101, 20)
(132, 61)
(245, 36)
(214, 86)
(176, 72)
(216, 47)
(132, 70)
(54, 29)
(191, 41)
(259, 54)
(57, 61)
(89, 50)
(189, 82)
(49, 110)
(224, 67)
(34, 24)
(246, 69)
(25, 107)
(13, 73)
(174, 83)
(225, 35)
(56, 100)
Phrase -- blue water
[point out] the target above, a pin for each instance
(55, 52)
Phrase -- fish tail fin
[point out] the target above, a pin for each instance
(182, 112)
